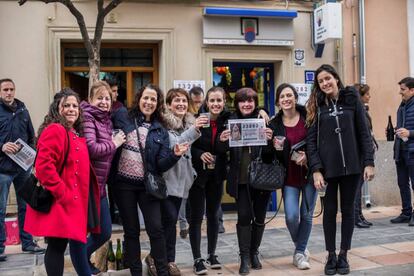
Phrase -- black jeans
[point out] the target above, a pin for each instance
(169, 216)
(208, 198)
(347, 188)
(259, 199)
(358, 199)
(405, 173)
(127, 201)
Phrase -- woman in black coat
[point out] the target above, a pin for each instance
(207, 189)
(249, 229)
(338, 143)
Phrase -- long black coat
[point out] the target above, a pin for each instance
(356, 146)
(236, 156)
(205, 144)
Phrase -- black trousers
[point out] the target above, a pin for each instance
(54, 256)
(199, 199)
(127, 201)
(347, 188)
(259, 199)
(169, 216)
(358, 199)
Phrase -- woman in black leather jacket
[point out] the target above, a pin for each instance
(249, 229)
(338, 143)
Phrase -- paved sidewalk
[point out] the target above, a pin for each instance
(384, 249)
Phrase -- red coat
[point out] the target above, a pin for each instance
(69, 212)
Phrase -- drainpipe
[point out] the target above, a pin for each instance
(410, 19)
(362, 66)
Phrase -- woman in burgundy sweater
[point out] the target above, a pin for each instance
(290, 123)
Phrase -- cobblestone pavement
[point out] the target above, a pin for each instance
(384, 249)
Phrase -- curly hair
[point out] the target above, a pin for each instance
(135, 112)
(53, 116)
(317, 95)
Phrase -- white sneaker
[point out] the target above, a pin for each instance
(307, 254)
(299, 260)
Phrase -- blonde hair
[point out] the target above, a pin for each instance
(98, 86)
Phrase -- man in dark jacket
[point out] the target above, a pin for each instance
(404, 150)
(15, 123)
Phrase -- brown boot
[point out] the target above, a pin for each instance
(173, 270)
(152, 270)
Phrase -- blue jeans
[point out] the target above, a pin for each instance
(405, 173)
(80, 253)
(18, 179)
(299, 227)
(182, 217)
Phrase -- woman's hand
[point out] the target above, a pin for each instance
(201, 121)
(369, 173)
(269, 133)
(264, 115)
(207, 158)
(225, 135)
(180, 149)
(119, 138)
(318, 180)
(302, 160)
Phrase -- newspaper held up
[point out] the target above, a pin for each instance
(247, 132)
(25, 156)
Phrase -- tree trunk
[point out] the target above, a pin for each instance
(94, 65)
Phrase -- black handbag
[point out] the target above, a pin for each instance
(266, 176)
(39, 198)
(154, 184)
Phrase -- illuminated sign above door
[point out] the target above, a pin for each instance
(231, 26)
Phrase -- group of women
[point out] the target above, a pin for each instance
(78, 142)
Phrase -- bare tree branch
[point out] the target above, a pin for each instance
(100, 19)
(111, 6)
(93, 47)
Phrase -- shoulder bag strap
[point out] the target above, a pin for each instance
(66, 153)
(251, 203)
(141, 149)
(65, 158)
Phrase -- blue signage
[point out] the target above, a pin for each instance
(309, 76)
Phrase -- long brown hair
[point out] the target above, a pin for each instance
(135, 112)
(53, 116)
(317, 95)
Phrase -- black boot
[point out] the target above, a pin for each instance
(257, 234)
(244, 237)
(330, 266)
(364, 220)
(411, 223)
(342, 266)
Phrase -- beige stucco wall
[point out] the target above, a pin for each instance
(386, 57)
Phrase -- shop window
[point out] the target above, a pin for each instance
(131, 65)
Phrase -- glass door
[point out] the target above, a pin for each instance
(235, 75)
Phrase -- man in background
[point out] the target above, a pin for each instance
(404, 150)
(15, 123)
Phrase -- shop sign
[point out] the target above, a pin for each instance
(304, 91)
(327, 22)
(309, 76)
(188, 84)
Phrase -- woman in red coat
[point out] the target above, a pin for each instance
(69, 182)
